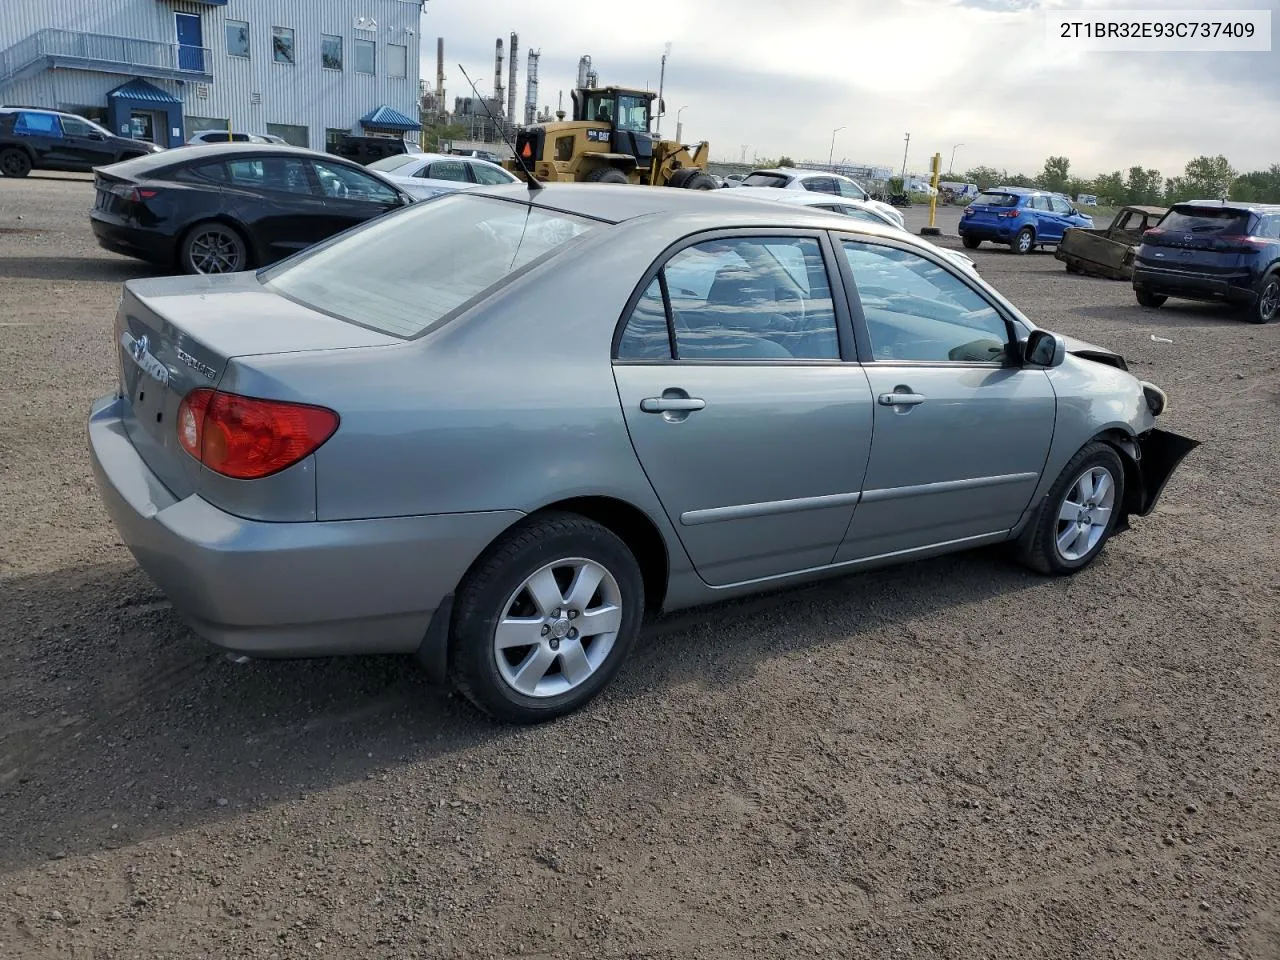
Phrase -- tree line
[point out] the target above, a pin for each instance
(1204, 178)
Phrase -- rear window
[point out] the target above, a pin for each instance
(996, 199)
(1206, 222)
(402, 274)
(388, 164)
(765, 180)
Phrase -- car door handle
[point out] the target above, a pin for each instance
(901, 399)
(671, 404)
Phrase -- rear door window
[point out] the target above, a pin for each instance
(454, 170)
(278, 174)
(38, 125)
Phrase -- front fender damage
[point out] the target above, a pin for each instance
(1150, 460)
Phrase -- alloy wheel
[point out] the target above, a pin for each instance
(1269, 301)
(215, 252)
(1085, 513)
(558, 628)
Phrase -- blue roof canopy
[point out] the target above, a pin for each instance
(144, 92)
(389, 118)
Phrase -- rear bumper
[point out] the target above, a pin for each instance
(131, 241)
(285, 589)
(1232, 288)
(989, 231)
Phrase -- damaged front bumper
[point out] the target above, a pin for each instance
(1153, 457)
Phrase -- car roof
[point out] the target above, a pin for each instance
(617, 203)
(1261, 208)
(211, 152)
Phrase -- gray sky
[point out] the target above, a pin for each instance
(779, 75)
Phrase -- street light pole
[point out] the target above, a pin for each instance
(662, 77)
(904, 163)
(679, 125)
(951, 167)
(832, 154)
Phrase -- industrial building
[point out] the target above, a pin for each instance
(161, 70)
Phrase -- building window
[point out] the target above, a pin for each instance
(330, 52)
(237, 38)
(397, 60)
(366, 56)
(282, 44)
(297, 136)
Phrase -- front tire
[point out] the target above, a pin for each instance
(971, 243)
(1268, 305)
(1148, 299)
(14, 162)
(211, 248)
(1078, 515)
(1024, 242)
(545, 619)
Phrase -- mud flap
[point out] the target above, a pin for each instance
(433, 653)
(1161, 452)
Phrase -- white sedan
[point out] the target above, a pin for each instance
(858, 209)
(819, 181)
(426, 175)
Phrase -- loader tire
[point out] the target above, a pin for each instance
(606, 175)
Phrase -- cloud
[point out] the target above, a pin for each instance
(779, 77)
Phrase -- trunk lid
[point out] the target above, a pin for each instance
(175, 334)
(1207, 240)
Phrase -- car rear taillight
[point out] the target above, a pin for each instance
(1248, 244)
(247, 438)
(1008, 213)
(131, 193)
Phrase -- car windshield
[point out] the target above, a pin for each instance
(395, 162)
(765, 180)
(996, 200)
(1206, 221)
(403, 274)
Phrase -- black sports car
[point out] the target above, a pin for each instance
(234, 206)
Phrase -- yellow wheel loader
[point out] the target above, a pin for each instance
(608, 141)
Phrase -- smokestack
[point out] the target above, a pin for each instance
(497, 73)
(440, 74)
(584, 68)
(531, 88)
(511, 79)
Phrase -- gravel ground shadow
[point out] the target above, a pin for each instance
(132, 727)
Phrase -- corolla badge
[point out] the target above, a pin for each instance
(139, 349)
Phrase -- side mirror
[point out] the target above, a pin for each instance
(1043, 349)
(96, 136)
(662, 107)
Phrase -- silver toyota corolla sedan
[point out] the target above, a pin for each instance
(498, 428)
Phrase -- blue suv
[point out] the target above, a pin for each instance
(1021, 217)
(1215, 251)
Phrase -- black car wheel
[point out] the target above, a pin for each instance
(1024, 242)
(1148, 299)
(544, 620)
(971, 243)
(15, 162)
(213, 248)
(1268, 304)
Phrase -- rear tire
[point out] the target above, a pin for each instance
(1268, 305)
(606, 175)
(971, 243)
(211, 248)
(691, 178)
(14, 162)
(515, 650)
(1148, 299)
(1024, 242)
(1041, 545)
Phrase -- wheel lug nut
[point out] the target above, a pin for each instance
(573, 634)
(545, 629)
(573, 614)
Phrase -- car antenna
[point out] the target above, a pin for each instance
(502, 131)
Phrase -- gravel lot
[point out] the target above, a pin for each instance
(952, 759)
